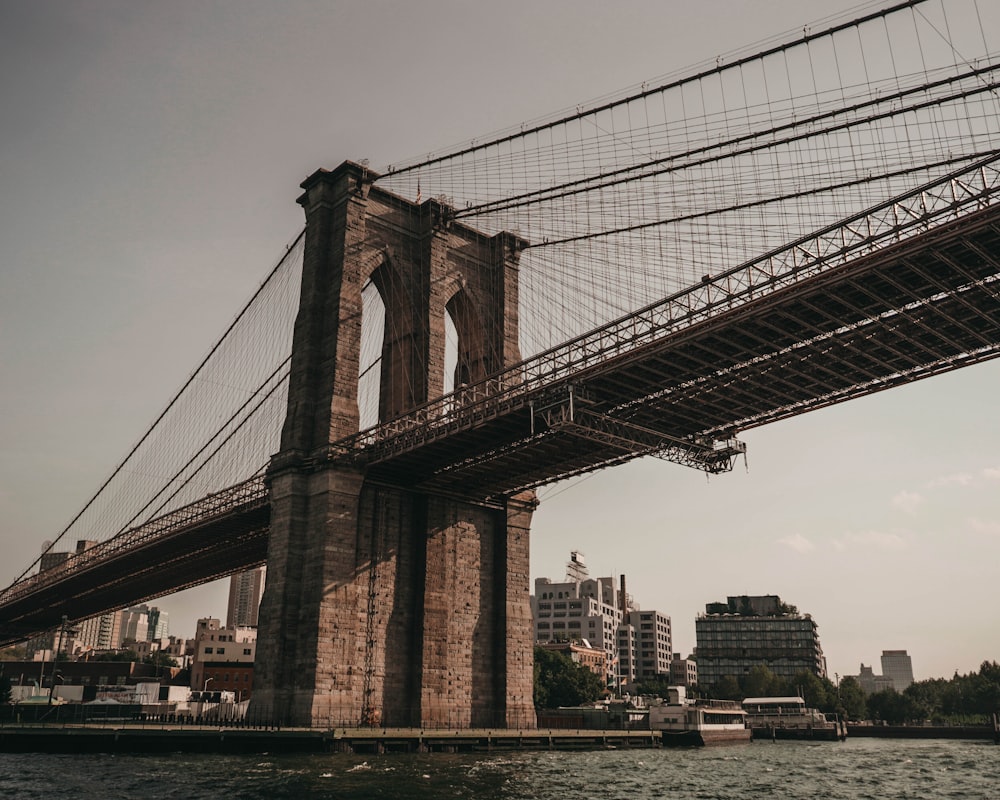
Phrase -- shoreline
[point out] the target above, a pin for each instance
(129, 737)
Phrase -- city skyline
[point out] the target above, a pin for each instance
(150, 170)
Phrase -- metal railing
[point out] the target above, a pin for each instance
(928, 207)
(241, 497)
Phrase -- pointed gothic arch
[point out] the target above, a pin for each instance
(473, 356)
(391, 363)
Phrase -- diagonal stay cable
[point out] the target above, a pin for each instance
(205, 446)
(769, 200)
(170, 405)
(662, 166)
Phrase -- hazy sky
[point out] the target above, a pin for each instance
(150, 156)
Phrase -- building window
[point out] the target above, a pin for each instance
(208, 651)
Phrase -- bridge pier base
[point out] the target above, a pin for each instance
(386, 607)
(384, 604)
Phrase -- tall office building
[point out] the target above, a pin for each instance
(579, 608)
(747, 631)
(159, 623)
(245, 591)
(645, 645)
(637, 644)
(897, 666)
(100, 633)
(135, 625)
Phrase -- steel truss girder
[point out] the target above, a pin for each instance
(713, 457)
(933, 206)
(236, 499)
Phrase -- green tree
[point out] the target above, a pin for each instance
(762, 682)
(817, 692)
(654, 687)
(160, 659)
(559, 681)
(726, 688)
(852, 699)
(118, 655)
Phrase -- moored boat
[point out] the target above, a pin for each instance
(789, 718)
(688, 722)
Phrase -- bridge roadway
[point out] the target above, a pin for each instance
(211, 538)
(904, 291)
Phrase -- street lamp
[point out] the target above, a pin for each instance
(207, 681)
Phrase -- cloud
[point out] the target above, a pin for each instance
(907, 502)
(986, 527)
(798, 543)
(992, 473)
(956, 479)
(870, 540)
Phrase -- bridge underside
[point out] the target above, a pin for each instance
(95, 583)
(922, 307)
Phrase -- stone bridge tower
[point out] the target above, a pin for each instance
(385, 605)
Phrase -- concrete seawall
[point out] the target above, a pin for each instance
(137, 739)
(923, 731)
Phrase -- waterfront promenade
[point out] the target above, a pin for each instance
(138, 737)
(120, 736)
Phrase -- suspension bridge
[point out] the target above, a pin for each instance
(649, 275)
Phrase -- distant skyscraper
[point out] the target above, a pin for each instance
(100, 633)
(135, 625)
(159, 623)
(245, 591)
(896, 664)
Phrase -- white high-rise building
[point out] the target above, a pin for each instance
(135, 625)
(897, 666)
(245, 592)
(637, 643)
(644, 645)
(99, 633)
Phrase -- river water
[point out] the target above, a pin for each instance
(856, 769)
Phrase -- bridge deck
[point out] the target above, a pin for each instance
(928, 304)
(901, 292)
(210, 539)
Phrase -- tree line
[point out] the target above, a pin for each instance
(972, 698)
(963, 699)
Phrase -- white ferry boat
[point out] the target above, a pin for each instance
(685, 721)
(788, 718)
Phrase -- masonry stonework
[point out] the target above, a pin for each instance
(385, 605)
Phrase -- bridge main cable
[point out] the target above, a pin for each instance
(393, 171)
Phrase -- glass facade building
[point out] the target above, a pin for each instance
(734, 637)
